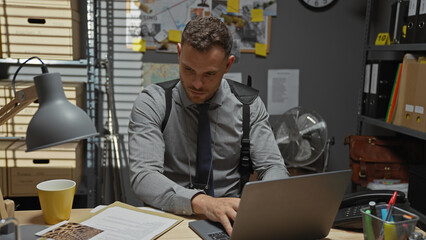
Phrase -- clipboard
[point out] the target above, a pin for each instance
(129, 207)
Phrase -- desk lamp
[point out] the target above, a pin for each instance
(56, 121)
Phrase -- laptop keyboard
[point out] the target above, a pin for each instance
(219, 236)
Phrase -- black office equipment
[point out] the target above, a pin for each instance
(398, 21)
(412, 21)
(416, 187)
(366, 90)
(209, 230)
(382, 78)
(377, 21)
(299, 207)
(421, 23)
(349, 215)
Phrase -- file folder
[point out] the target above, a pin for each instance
(421, 23)
(372, 95)
(400, 118)
(394, 95)
(382, 79)
(366, 91)
(414, 102)
(413, 11)
(398, 21)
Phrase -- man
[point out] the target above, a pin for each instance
(163, 163)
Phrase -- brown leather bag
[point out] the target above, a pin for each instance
(373, 157)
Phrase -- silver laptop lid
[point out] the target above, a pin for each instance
(299, 207)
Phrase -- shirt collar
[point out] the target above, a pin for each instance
(214, 102)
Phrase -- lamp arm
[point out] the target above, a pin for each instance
(22, 99)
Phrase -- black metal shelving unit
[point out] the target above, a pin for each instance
(93, 52)
(376, 21)
(88, 189)
(399, 47)
(81, 62)
(392, 52)
(382, 124)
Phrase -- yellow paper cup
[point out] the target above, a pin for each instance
(56, 197)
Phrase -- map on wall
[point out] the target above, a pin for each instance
(152, 20)
(158, 72)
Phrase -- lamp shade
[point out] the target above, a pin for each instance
(56, 121)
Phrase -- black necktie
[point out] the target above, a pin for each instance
(204, 177)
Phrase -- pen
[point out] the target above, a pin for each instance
(368, 225)
(390, 205)
(389, 213)
(372, 205)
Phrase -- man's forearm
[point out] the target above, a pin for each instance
(159, 191)
(274, 173)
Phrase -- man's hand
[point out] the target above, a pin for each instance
(217, 209)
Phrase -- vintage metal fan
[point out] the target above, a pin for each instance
(302, 138)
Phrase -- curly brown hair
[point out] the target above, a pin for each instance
(202, 33)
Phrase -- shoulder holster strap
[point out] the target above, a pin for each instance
(246, 95)
(168, 88)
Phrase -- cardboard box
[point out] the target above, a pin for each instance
(67, 4)
(36, 12)
(3, 179)
(36, 49)
(60, 43)
(26, 21)
(418, 120)
(42, 56)
(73, 90)
(26, 169)
(23, 181)
(400, 116)
(57, 33)
(40, 40)
(411, 104)
(49, 33)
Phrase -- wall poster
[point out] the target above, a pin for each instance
(152, 20)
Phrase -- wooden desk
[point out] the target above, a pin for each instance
(181, 231)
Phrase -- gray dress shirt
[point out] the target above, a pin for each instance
(162, 164)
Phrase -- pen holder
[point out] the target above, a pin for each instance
(401, 225)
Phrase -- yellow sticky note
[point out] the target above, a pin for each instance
(233, 6)
(383, 39)
(143, 46)
(137, 41)
(260, 49)
(174, 36)
(139, 45)
(257, 15)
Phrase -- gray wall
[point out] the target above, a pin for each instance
(327, 48)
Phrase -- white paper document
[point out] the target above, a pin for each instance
(236, 76)
(125, 224)
(283, 90)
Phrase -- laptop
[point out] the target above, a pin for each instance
(299, 207)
